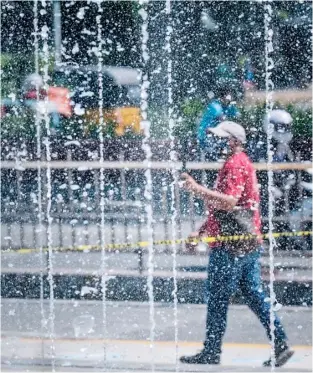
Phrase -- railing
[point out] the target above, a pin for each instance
(76, 201)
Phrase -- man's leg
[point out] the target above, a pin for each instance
(253, 292)
(224, 272)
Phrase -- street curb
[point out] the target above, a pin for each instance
(134, 288)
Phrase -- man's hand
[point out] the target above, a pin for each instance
(192, 246)
(190, 183)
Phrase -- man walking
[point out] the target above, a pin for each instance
(233, 208)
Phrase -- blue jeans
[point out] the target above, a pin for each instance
(227, 273)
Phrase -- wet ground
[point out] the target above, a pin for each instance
(79, 343)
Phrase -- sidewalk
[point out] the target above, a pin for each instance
(126, 332)
(139, 355)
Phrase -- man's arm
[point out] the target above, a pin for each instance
(202, 230)
(218, 200)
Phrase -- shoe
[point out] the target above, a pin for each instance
(203, 357)
(282, 355)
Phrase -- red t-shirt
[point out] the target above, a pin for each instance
(236, 178)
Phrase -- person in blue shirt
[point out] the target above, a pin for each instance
(222, 107)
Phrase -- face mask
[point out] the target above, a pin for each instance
(222, 148)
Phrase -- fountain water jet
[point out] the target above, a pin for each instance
(143, 12)
(269, 64)
(101, 150)
(44, 36)
(39, 186)
(173, 159)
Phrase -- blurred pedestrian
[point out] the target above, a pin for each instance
(248, 79)
(33, 88)
(281, 126)
(220, 108)
(233, 209)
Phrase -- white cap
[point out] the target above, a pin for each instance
(281, 121)
(229, 129)
(32, 81)
(279, 117)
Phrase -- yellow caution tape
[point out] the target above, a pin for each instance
(144, 244)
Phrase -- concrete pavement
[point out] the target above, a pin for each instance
(139, 355)
(80, 338)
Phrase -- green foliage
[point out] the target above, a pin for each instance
(18, 124)
(190, 115)
(135, 7)
(92, 130)
(159, 128)
(21, 123)
(302, 120)
(185, 121)
(252, 118)
(14, 68)
(192, 109)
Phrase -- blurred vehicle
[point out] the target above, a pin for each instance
(120, 95)
(39, 100)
